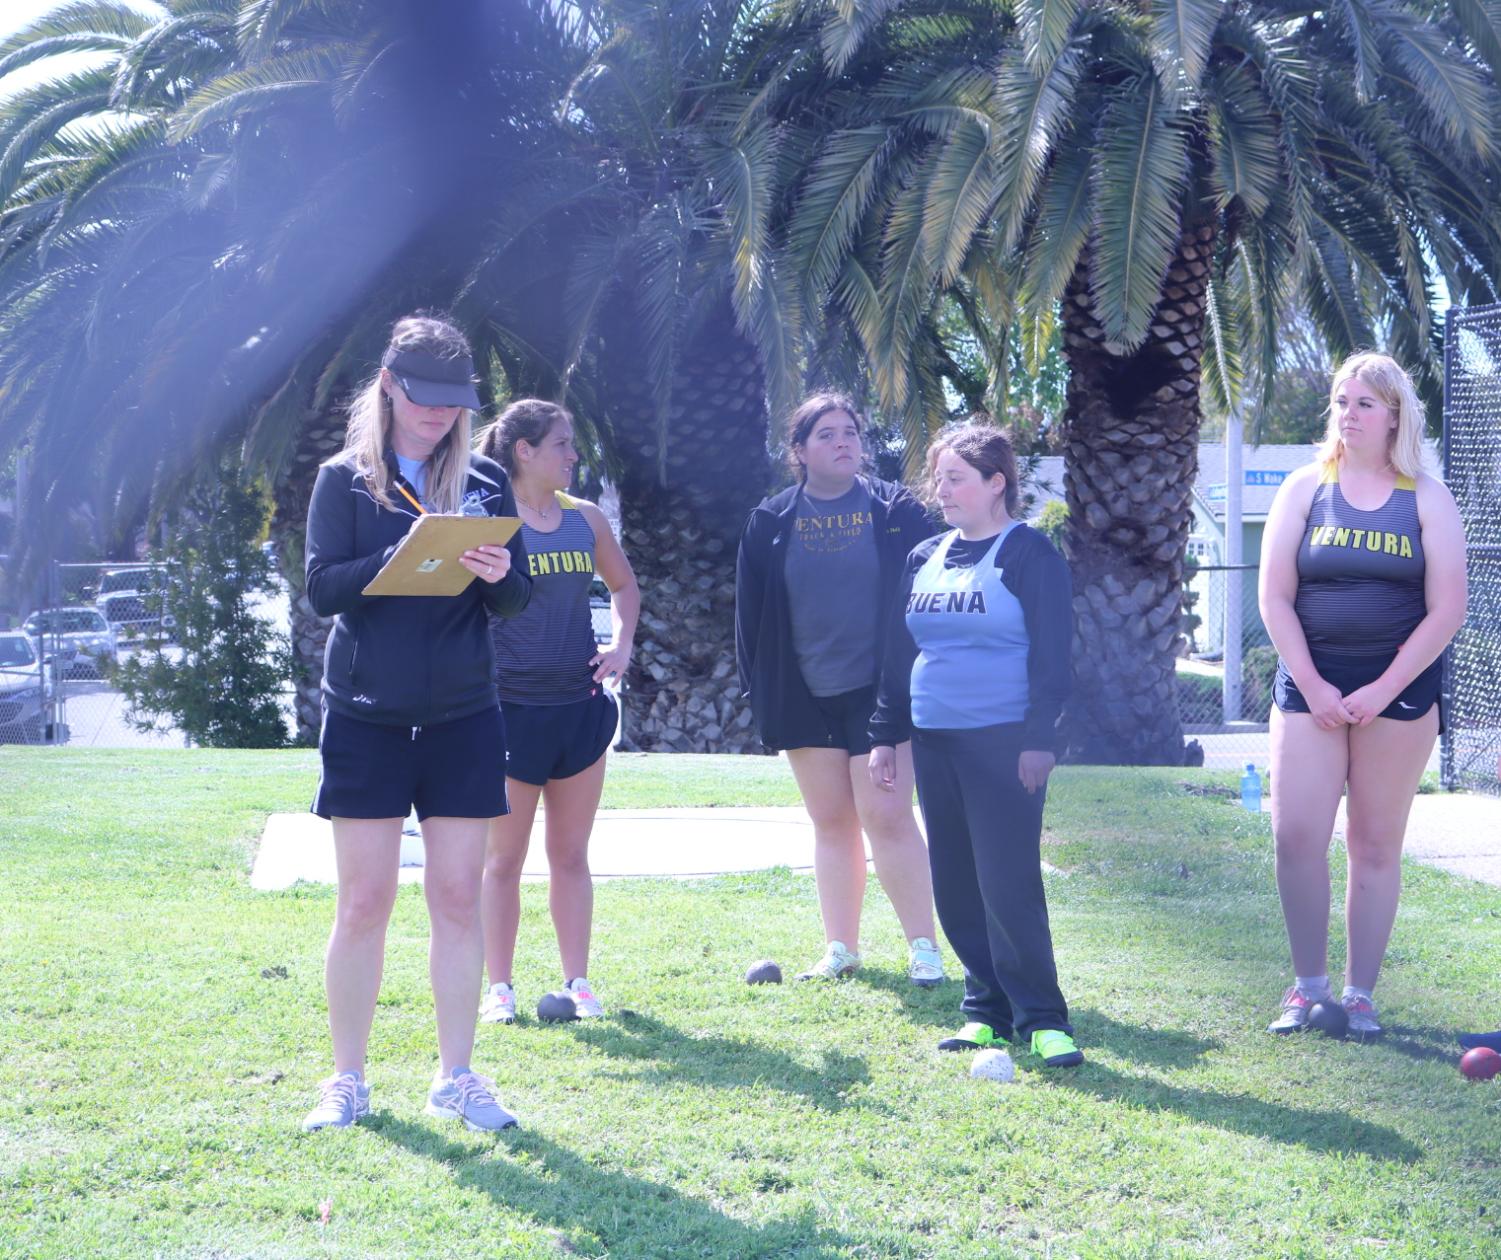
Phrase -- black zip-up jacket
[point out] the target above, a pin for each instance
(769, 672)
(1033, 571)
(403, 660)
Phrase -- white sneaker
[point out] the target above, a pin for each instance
(837, 963)
(584, 1001)
(498, 1006)
(924, 963)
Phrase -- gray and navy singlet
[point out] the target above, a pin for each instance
(542, 654)
(1360, 574)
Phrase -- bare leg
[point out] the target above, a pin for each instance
(500, 901)
(367, 852)
(896, 845)
(1308, 776)
(571, 804)
(823, 778)
(451, 879)
(1386, 763)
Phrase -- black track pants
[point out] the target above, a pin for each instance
(985, 847)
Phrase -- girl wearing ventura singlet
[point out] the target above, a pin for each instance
(1362, 587)
(560, 719)
(818, 562)
(409, 710)
(975, 674)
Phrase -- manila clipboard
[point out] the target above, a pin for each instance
(426, 562)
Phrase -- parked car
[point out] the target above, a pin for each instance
(74, 640)
(131, 616)
(25, 684)
(133, 579)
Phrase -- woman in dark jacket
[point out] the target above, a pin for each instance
(817, 564)
(410, 713)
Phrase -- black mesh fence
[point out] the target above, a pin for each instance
(1472, 467)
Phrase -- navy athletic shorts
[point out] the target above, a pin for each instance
(447, 770)
(1351, 673)
(557, 741)
(844, 722)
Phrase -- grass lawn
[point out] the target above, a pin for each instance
(162, 1028)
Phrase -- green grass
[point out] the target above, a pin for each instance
(161, 1029)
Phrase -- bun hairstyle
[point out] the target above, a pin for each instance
(368, 434)
(984, 448)
(1390, 382)
(809, 412)
(526, 420)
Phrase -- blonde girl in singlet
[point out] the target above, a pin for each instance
(1362, 586)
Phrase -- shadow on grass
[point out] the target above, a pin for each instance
(527, 1175)
(1329, 1131)
(673, 1055)
(936, 1008)
(1161, 1047)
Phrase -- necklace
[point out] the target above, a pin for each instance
(542, 512)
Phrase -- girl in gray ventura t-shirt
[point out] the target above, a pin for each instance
(818, 564)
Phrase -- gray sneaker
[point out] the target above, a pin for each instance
(585, 1004)
(1295, 1007)
(1364, 1023)
(469, 1097)
(343, 1100)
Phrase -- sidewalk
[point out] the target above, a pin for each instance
(1459, 832)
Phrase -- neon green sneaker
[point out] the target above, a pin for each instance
(1056, 1048)
(971, 1037)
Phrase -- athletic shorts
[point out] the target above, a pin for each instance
(557, 741)
(844, 722)
(1351, 673)
(446, 770)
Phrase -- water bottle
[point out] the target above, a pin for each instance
(1250, 790)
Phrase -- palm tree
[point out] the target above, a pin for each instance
(1164, 177)
(588, 184)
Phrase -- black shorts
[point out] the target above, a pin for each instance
(447, 770)
(557, 741)
(845, 722)
(1351, 673)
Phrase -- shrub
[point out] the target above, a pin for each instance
(1258, 668)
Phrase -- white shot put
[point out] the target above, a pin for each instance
(993, 1065)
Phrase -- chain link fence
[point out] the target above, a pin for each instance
(1225, 690)
(1471, 755)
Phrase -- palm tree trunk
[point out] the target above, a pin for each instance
(1132, 428)
(321, 436)
(680, 525)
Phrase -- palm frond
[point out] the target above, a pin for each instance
(1451, 89)
(848, 26)
(1033, 108)
(1045, 27)
(961, 189)
(1138, 189)
(278, 81)
(1223, 372)
(1360, 28)
(835, 195)
(101, 18)
(1065, 212)
(1247, 155)
(743, 175)
(1181, 32)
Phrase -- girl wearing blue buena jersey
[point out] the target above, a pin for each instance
(975, 674)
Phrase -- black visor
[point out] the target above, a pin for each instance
(431, 381)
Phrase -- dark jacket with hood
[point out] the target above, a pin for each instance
(403, 660)
(769, 674)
